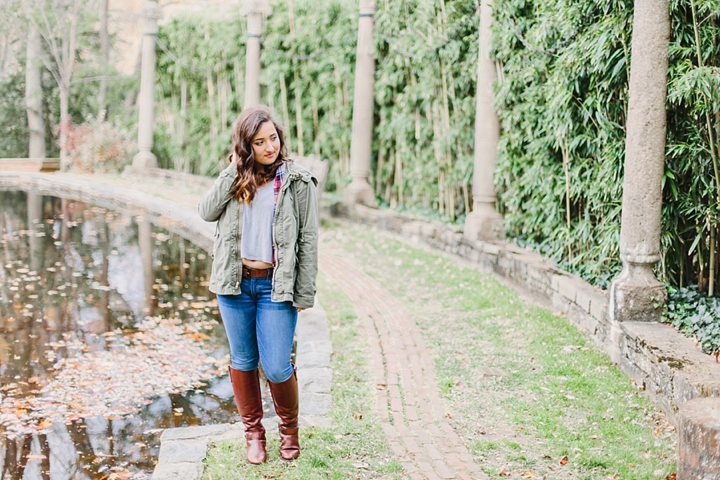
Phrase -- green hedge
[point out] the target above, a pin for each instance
(562, 114)
(567, 110)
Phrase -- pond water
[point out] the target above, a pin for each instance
(108, 335)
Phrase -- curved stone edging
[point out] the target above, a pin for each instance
(183, 449)
(168, 214)
(660, 360)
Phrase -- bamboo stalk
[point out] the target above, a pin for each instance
(441, 193)
(398, 175)
(566, 166)
(316, 123)
(239, 85)
(222, 102)
(298, 114)
(381, 156)
(388, 185)
(182, 164)
(286, 112)
(713, 155)
(466, 197)
(451, 201)
(711, 273)
(211, 104)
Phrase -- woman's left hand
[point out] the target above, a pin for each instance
(300, 309)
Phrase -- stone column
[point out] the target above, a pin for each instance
(636, 295)
(484, 222)
(34, 225)
(359, 190)
(256, 11)
(33, 95)
(145, 158)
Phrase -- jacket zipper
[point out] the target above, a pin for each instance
(238, 262)
(281, 193)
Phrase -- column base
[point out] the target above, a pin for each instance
(359, 191)
(144, 159)
(484, 224)
(636, 295)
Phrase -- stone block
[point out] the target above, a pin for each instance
(314, 346)
(505, 263)
(321, 421)
(179, 451)
(583, 298)
(312, 360)
(175, 471)
(187, 433)
(598, 306)
(568, 286)
(315, 404)
(699, 439)
(491, 249)
(520, 268)
(315, 380)
(560, 303)
(427, 230)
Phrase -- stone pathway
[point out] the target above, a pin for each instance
(408, 402)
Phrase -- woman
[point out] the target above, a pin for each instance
(264, 270)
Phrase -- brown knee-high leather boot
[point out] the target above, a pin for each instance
(285, 397)
(246, 386)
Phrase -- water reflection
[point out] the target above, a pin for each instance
(76, 280)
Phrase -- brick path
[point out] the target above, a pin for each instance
(408, 402)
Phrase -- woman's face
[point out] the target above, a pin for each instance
(266, 144)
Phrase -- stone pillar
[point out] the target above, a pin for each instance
(34, 225)
(636, 295)
(359, 190)
(256, 11)
(33, 95)
(699, 439)
(145, 158)
(484, 222)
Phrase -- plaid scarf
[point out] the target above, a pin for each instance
(279, 176)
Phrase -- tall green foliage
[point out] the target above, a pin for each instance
(425, 85)
(562, 118)
(563, 122)
(307, 78)
(561, 96)
(424, 122)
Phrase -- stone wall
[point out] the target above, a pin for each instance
(658, 359)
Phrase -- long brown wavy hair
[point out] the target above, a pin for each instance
(246, 127)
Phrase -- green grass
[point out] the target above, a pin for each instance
(354, 446)
(559, 396)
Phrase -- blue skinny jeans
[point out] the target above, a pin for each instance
(259, 329)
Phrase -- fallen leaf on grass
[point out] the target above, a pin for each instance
(564, 460)
(672, 476)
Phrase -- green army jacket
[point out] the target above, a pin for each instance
(295, 234)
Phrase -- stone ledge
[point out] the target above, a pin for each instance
(30, 164)
(664, 362)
